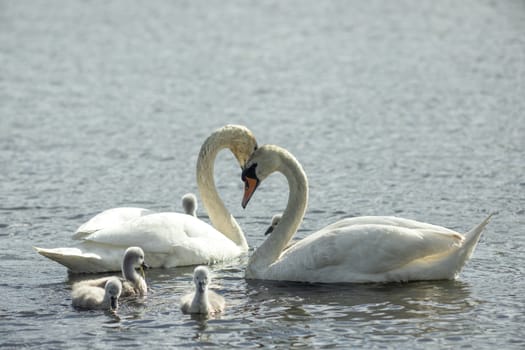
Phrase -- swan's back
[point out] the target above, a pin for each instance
(158, 232)
(393, 221)
(350, 251)
(109, 218)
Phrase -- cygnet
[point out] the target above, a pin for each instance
(92, 297)
(202, 301)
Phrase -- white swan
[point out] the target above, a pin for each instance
(133, 283)
(360, 249)
(170, 239)
(202, 301)
(189, 204)
(92, 297)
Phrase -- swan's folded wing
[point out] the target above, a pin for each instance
(155, 232)
(196, 250)
(370, 249)
(109, 218)
(388, 221)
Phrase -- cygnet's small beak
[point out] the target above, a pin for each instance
(114, 303)
(201, 286)
(143, 267)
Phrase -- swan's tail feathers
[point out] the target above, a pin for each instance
(471, 240)
(74, 259)
(472, 237)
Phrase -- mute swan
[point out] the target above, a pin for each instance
(91, 297)
(189, 204)
(133, 283)
(170, 239)
(202, 301)
(360, 249)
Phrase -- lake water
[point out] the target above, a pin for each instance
(408, 108)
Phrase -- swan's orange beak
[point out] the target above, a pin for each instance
(250, 185)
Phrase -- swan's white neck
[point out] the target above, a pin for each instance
(292, 216)
(219, 215)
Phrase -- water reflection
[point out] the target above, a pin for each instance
(390, 308)
(113, 318)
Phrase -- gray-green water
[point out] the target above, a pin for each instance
(408, 108)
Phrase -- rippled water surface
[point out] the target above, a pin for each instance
(408, 108)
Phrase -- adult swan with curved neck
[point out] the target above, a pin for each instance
(359, 249)
(170, 239)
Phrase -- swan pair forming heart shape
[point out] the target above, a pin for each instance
(359, 249)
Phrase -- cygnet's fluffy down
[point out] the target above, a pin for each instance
(203, 300)
(275, 221)
(92, 297)
(133, 283)
(189, 204)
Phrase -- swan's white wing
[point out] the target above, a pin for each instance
(160, 232)
(168, 239)
(389, 221)
(357, 251)
(109, 218)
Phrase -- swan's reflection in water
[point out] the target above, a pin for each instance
(376, 310)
